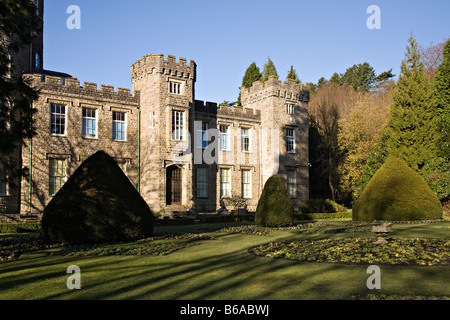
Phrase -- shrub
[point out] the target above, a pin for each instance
(321, 206)
(323, 216)
(97, 204)
(397, 193)
(274, 208)
(19, 227)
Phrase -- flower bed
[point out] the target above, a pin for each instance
(12, 247)
(311, 227)
(421, 252)
(151, 249)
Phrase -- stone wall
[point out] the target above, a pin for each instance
(73, 146)
(149, 112)
(271, 98)
(152, 76)
(233, 159)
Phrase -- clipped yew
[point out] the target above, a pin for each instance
(97, 204)
(274, 208)
(397, 193)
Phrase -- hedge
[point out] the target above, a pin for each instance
(205, 219)
(19, 227)
(319, 216)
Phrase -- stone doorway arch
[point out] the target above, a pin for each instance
(174, 185)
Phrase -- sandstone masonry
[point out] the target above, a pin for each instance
(181, 154)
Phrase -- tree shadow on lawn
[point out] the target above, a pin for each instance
(33, 270)
(198, 273)
(233, 275)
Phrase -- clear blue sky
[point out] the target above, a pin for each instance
(224, 37)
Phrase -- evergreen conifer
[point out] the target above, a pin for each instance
(251, 75)
(274, 208)
(269, 70)
(292, 74)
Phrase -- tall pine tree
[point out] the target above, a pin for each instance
(269, 70)
(437, 172)
(411, 129)
(251, 75)
(412, 133)
(442, 94)
(292, 74)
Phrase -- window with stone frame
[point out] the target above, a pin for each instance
(57, 174)
(289, 108)
(225, 182)
(292, 183)
(175, 86)
(58, 119)
(89, 123)
(202, 182)
(178, 123)
(246, 183)
(224, 131)
(202, 136)
(290, 140)
(119, 126)
(152, 121)
(245, 139)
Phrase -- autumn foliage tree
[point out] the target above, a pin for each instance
(359, 132)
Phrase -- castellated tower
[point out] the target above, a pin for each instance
(284, 132)
(167, 107)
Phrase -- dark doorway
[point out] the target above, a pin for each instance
(173, 192)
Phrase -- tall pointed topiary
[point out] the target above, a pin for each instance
(274, 208)
(97, 204)
(397, 193)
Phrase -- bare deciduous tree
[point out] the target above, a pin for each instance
(431, 58)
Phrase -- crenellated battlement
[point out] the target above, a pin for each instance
(88, 89)
(155, 63)
(226, 110)
(273, 87)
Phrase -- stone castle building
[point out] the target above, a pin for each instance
(181, 154)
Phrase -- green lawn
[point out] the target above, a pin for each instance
(221, 268)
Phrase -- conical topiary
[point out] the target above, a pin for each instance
(396, 193)
(274, 208)
(97, 204)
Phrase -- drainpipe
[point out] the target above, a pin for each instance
(31, 174)
(139, 152)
